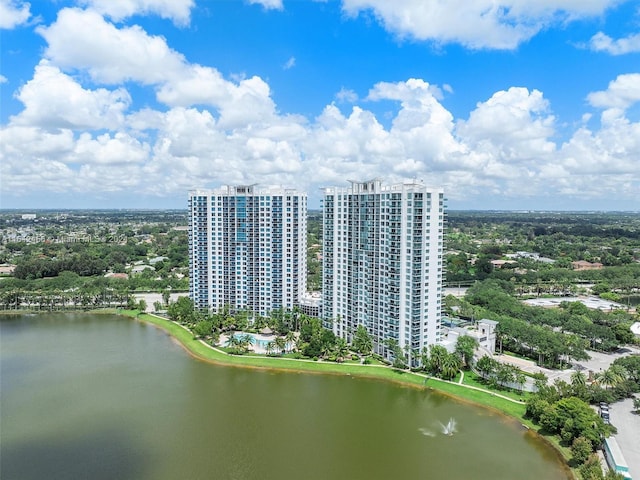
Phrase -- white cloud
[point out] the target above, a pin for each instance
(13, 13)
(289, 63)
(268, 4)
(179, 11)
(106, 149)
(83, 40)
(478, 24)
(512, 124)
(346, 95)
(238, 104)
(3, 79)
(601, 42)
(72, 136)
(54, 100)
(620, 94)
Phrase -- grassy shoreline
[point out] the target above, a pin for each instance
(480, 397)
(459, 392)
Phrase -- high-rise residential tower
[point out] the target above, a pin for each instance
(247, 248)
(383, 263)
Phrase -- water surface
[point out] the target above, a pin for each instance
(105, 397)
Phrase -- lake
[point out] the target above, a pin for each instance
(105, 397)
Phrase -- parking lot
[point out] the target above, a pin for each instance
(628, 436)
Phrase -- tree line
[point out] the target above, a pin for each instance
(552, 337)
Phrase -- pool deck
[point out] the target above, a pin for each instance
(259, 346)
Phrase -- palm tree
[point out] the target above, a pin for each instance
(246, 341)
(281, 344)
(578, 380)
(520, 380)
(233, 342)
(341, 349)
(450, 366)
(326, 350)
(290, 339)
(506, 374)
(486, 366)
(612, 376)
(436, 358)
(270, 347)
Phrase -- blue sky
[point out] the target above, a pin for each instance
(132, 103)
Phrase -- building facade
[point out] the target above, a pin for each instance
(383, 264)
(247, 248)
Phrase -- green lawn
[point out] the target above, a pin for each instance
(206, 353)
(471, 378)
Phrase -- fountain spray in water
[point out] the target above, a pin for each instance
(449, 428)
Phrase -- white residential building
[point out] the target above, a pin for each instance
(247, 248)
(383, 263)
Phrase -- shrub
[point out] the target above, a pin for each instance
(581, 448)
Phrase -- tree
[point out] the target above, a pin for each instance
(450, 366)
(424, 357)
(233, 342)
(341, 349)
(579, 385)
(270, 347)
(203, 328)
(574, 418)
(581, 448)
(636, 404)
(465, 348)
(592, 468)
(290, 339)
(362, 342)
(612, 376)
(536, 407)
(578, 379)
(396, 350)
(246, 341)
(142, 305)
(281, 344)
(181, 311)
(166, 295)
(486, 366)
(520, 380)
(505, 374)
(437, 354)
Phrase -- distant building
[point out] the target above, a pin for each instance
(531, 255)
(247, 248)
(484, 333)
(28, 216)
(141, 268)
(502, 263)
(383, 263)
(122, 276)
(7, 269)
(311, 304)
(584, 265)
(155, 260)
